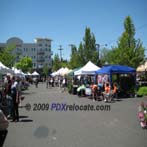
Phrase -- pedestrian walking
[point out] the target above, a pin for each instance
(36, 82)
(15, 97)
(47, 82)
(8, 96)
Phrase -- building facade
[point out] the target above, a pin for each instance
(39, 51)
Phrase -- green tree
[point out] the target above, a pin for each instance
(56, 62)
(81, 60)
(25, 64)
(129, 51)
(45, 70)
(6, 56)
(89, 47)
(74, 58)
(86, 52)
(64, 63)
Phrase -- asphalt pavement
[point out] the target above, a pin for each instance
(46, 121)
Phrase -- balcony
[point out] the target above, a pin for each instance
(40, 60)
(40, 52)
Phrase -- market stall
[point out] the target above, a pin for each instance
(88, 69)
(124, 76)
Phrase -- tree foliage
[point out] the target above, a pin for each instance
(45, 70)
(86, 51)
(74, 58)
(64, 63)
(56, 62)
(25, 64)
(6, 56)
(129, 50)
(89, 47)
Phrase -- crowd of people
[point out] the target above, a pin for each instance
(58, 81)
(106, 93)
(11, 92)
(97, 90)
(11, 95)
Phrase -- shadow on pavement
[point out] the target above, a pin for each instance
(3, 135)
(22, 116)
(26, 120)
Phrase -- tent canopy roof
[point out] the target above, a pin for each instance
(142, 67)
(89, 68)
(35, 73)
(115, 69)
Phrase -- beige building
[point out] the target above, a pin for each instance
(39, 51)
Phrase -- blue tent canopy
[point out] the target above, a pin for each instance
(111, 69)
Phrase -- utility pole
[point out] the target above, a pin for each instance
(60, 49)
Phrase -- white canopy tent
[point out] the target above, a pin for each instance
(65, 71)
(54, 73)
(18, 72)
(62, 71)
(28, 73)
(35, 73)
(4, 69)
(142, 67)
(88, 69)
(59, 72)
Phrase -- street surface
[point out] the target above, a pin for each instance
(118, 127)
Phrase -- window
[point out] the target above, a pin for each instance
(40, 44)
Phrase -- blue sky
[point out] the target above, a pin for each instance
(64, 21)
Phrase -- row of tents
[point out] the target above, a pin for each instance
(88, 69)
(5, 70)
(92, 69)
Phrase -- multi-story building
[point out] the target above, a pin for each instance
(40, 51)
